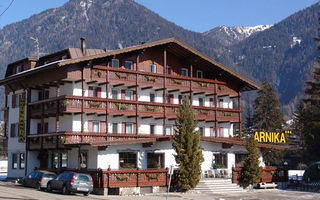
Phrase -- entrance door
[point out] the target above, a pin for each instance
(43, 157)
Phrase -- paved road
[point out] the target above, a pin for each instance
(14, 192)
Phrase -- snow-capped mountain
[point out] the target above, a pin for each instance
(232, 35)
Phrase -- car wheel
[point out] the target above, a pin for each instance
(24, 183)
(49, 189)
(86, 193)
(38, 187)
(65, 190)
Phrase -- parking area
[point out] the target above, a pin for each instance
(17, 192)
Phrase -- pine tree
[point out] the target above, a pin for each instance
(248, 123)
(186, 143)
(268, 117)
(251, 171)
(311, 118)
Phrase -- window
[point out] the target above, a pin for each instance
(21, 164)
(55, 160)
(114, 94)
(155, 160)
(83, 159)
(18, 69)
(221, 160)
(128, 64)
(152, 129)
(128, 160)
(94, 92)
(201, 102)
(115, 128)
(169, 130)
(95, 127)
(129, 129)
(201, 130)
(115, 63)
(240, 159)
(153, 68)
(64, 57)
(184, 72)
(129, 95)
(14, 161)
(199, 74)
(64, 159)
(152, 97)
(14, 130)
(169, 70)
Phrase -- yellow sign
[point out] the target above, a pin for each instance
(271, 137)
(21, 120)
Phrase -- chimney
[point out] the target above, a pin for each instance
(83, 45)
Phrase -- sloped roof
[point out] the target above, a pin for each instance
(174, 44)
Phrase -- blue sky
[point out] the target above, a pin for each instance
(195, 15)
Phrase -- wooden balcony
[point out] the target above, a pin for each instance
(117, 107)
(64, 140)
(105, 74)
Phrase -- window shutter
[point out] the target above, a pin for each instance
(99, 92)
(102, 127)
(123, 94)
(134, 66)
(90, 126)
(39, 96)
(39, 128)
(134, 95)
(221, 132)
(46, 127)
(171, 98)
(123, 128)
(12, 130)
(134, 128)
(211, 131)
(13, 100)
(90, 91)
(46, 94)
(211, 102)
(221, 103)
(180, 99)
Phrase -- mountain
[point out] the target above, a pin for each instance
(283, 53)
(231, 35)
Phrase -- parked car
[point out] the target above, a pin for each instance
(38, 179)
(71, 182)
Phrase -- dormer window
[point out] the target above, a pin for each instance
(64, 57)
(18, 69)
(128, 65)
(115, 63)
(199, 74)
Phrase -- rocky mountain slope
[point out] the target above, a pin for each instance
(232, 35)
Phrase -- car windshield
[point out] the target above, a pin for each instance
(49, 176)
(84, 178)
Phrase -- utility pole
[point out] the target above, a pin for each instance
(36, 40)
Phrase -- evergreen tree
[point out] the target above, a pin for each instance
(251, 171)
(248, 123)
(268, 117)
(310, 119)
(186, 143)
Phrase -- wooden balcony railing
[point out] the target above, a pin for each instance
(62, 139)
(129, 77)
(73, 104)
(135, 178)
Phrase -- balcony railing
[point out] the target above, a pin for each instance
(130, 77)
(73, 104)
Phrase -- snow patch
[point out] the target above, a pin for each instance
(85, 5)
(295, 41)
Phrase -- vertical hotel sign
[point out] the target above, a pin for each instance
(21, 120)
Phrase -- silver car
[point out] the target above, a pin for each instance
(38, 179)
